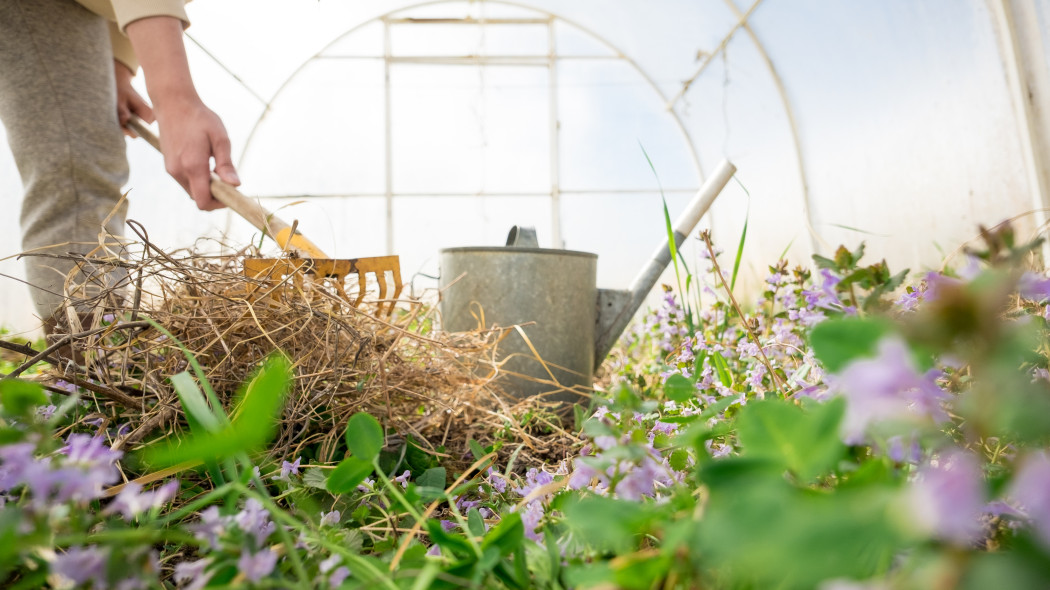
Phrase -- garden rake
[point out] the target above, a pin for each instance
(303, 258)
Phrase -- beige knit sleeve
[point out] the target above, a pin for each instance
(122, 50)
(128, 11)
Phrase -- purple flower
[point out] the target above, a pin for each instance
(82, 564)
(583, 474)
(900, 453)
(434, 551)
(256, 566)
(826, 297)
(947, 497)
(776, 279)
(531, 517)
(210, 527)
(465, 505)
(664, 427)
(1031, 489)
(62, 384)
(886, 387)
(329, 564)
(448, 526)
(806, 317)
(45, 412)
(89, 450)
(641, 480)
(254, 520)
(717, 450)
(936, 283)
(132, 501)
(534, 478)
(403, 479)
(330, 519)
(747, 349)
(338, 576)
(1034, 287)
(496, 481)
(288, 469)
(909, 301)
(755, 376)
(193, 572)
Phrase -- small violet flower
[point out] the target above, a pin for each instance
(82, 564)
(193, 572)
(330, 518)
(947, 497)
(288, 469)
(132, 501)
(256, 566)
(1031, 489)
(886, 387)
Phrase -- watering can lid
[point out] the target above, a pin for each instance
(520, 240)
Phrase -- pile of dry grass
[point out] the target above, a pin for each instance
(438, 388)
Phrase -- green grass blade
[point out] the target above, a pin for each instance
(743, 237)
(687, 307)
(200, 417)
(197, 370)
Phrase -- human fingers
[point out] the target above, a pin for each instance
(223, 160)
(140, 107)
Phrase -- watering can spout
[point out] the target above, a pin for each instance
(616, 307)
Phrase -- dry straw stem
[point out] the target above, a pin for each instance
(439, 388)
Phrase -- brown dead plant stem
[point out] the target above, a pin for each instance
(435, 387)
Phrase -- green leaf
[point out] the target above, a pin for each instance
(200, 417)
(475, 523)
(10, 435)
(364, 436)
(823, 262)
(722, 369)
(802, 440)
(19, 397)
(606, 523)
(476, 449)
(837, 342)
(765, 533)
(348, 475)
(679, 388)
(508, 535)
(315, 478)
(637, 571)
(432, 478)
(253, 424)
(459, 546)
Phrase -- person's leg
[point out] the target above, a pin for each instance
(58, 106)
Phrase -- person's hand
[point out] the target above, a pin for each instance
(191, 136)
(129, 102)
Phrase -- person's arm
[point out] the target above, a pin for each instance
(191, 134)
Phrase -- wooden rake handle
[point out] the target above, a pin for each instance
(250, 210)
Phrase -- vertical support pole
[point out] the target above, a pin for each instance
(1022, 51)
(389, 137)
(555, 127)
(815, 241)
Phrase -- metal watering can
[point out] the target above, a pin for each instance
(564, 325)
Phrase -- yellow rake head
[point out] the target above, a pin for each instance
(276, 276)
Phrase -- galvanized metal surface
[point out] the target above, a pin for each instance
(550, 293)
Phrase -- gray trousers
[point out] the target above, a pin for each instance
(58, 106)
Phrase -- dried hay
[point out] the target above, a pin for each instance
(438, 388)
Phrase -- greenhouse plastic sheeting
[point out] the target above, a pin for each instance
(406, 127)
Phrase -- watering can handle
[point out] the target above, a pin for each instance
(522, 237)
(615, 308)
